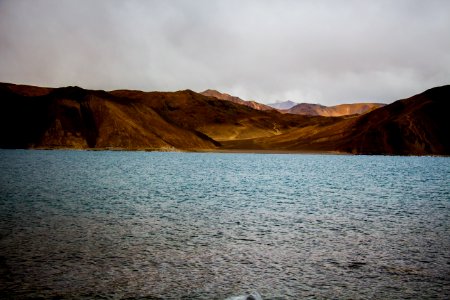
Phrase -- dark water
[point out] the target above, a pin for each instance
(76, 224)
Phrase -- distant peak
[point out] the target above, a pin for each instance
(216, 93)
(210, 91)
(283, 104)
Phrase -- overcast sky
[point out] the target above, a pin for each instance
(314, 51)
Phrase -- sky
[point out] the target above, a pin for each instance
(317, 51)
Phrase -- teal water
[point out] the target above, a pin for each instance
(115, 225)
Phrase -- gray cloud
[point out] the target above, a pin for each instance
(313, 51)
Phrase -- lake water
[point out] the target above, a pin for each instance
(88, 224)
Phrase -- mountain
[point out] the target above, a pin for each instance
(300, 108)
(333, 111)
(76, 118)
(223, 96)
(418, 125)
(72, 117)
(283, 105)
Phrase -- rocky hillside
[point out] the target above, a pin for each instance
(72, 117)
(418, 125)
(415, 126)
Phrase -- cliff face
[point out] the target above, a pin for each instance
(72, 117)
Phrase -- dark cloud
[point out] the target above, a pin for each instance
(313, 51)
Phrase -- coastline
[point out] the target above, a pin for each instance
(218, 150)
(222, 150)
(274, 151)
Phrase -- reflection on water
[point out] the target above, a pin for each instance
(80, 224)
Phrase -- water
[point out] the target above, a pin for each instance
(81, 224)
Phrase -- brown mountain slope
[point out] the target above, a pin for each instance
(223, 96)
(72, 117)
(415, 126)
(311, 137)
(76, 118)
(418, 125)
(333, 111)
(218, 119)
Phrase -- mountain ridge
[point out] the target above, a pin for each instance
(228, 97)
(300, 108)
(417, 125)
(333, 111)
(76, 118)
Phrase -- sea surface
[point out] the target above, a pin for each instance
(153, 225)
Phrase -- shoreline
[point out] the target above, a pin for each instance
(224, 151)
(274, 151)
(175, 150)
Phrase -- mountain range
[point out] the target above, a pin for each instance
(72, 117)
(300, 108)
(333, 111)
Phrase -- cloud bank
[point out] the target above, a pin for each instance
(327, 52)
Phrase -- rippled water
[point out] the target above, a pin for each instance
(81, 224)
